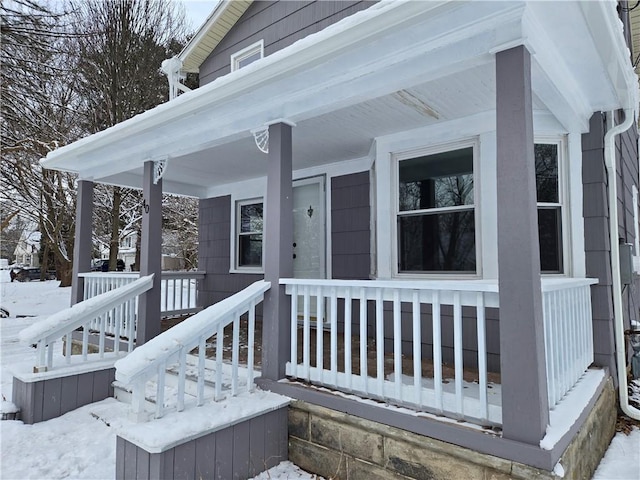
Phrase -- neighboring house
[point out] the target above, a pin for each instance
(433, 183)
(28, 249)
(127, 253)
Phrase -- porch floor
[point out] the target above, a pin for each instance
(470, 375)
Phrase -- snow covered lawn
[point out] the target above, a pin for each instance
(80, 444)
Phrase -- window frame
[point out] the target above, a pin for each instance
(563, 204)
(240, 55)
(398, 157)
(235, 244)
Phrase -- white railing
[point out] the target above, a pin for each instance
(171, 351)
(568, 333)
(342, 309)
(179, 292)
(89, 315)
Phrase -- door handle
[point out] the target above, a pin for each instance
(294, 255)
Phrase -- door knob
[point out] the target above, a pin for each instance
(294, 245)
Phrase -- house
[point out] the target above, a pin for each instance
(28, 248)
(429, 207)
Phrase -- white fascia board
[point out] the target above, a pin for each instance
(608, 33)
(554, 83)
(132, 180)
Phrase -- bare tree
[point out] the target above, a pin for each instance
(120, 46)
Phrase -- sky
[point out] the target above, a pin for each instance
(81, 444)
(197, 11)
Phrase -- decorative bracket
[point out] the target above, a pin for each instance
(159, 168)
(261, 137)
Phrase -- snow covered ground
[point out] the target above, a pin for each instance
(80, 446)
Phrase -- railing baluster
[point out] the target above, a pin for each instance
(250, 344)
(320, 336)
(219, 346)
(102, 335)
(437, 349)
(202, 353)
(85, 342)
(294, 331)
(131, 321)
(417, 346)
(482, 356)
(41, 353)
(162, 372)
(67, 347)
(50, 354)
(182, 369)
(334, 337)
(457, 348)
(116, 333)
(347, 338)
(363, 339)
(379, 342)
(549, 357)
(306, 333)
(235, 353)
(397, 344)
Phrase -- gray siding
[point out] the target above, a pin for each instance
(46, 399)
(351, 227)
(214, 238)
(240, 451)
(278, 24)
(596, 218)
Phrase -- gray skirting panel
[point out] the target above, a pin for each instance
(240, 451)
(48, 398)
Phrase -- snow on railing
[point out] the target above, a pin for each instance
(178, 291)
(90, 315)
(378, 317)
(568, 333)
(170, 351)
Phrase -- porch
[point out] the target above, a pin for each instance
(441, 348)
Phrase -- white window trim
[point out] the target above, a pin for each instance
(563, 202)
(235, 205)
(396, 158)
(240, 55)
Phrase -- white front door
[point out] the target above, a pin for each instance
(309, 232)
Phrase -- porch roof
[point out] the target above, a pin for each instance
(396, 66)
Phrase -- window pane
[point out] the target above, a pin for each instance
(440, 242)
(549, 226)
(250, 251)
(547, 172)
(251, 218)
(243, 62)
(439, 180)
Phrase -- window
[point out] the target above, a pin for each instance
(249, 223)
(247, 55)
(549, 208)
(436, 213)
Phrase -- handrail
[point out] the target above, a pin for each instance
(63, 323)
(154, 357)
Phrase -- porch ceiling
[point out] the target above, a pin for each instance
(373, 74)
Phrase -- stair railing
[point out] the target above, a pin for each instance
(171, 349)
(91, 315)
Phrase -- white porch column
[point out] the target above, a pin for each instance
(83, 241)
(150, 256)
(278, 252)
(525, 412)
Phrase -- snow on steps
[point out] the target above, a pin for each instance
(123, 393)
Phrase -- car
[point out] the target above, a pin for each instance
(33, 273)
(103, 266)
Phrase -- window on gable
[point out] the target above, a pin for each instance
(436, 213)
(247, 55)
(549, 207)
(249, 225)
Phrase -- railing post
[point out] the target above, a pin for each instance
(525, 411)
(148, 325)
(83, 243)
(278, 252)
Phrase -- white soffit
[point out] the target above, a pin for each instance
(221, 20)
